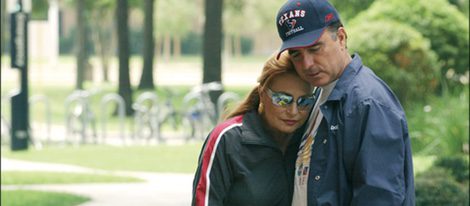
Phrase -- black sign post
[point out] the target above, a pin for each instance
(19, 60)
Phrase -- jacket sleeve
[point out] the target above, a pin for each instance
(212, 179)
(382, 173)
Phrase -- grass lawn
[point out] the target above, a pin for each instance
(159, 158)
(37, 177)
(39, 198)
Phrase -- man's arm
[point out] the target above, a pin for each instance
(379, 172)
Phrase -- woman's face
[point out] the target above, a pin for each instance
(283, 111)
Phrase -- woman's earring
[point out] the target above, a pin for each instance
(260, 108)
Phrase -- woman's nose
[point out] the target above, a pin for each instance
(292, 108)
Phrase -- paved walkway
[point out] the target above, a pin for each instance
(158, 189)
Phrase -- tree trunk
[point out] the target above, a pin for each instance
(80, 45)
(237, 45)
(227, 47)
(212, 44)
(102, 38)
(158, 47)
(177, 46)
(166, 47)
(3, 22)
(146, 80)
(124, 88)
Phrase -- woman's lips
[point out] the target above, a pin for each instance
(290, 122)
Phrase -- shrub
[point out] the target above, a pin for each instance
(441, 126)
(350, 8)
(457, 166)
(399, 55)
(437, 20)
(437, 187)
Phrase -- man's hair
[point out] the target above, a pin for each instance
(333, 28)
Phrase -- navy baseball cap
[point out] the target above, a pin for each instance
(300, 23)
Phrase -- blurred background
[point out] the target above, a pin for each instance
(144, 81)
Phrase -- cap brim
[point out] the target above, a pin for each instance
(301, 41)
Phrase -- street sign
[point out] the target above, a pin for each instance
(19, 36)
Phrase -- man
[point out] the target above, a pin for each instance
(356, 150)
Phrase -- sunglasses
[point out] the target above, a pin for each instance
(283, 100)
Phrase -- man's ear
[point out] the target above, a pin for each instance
(342, 36)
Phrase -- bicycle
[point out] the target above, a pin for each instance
(200, 114)
(169, 115)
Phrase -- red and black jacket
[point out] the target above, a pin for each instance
(241, 165)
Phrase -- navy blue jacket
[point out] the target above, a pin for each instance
(362, 152)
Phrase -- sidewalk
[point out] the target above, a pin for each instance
(158, 188)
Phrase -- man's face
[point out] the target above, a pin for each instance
(324, 61)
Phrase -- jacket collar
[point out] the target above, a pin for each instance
(346, 78)
(253, 132)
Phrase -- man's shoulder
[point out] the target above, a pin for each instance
(367, 87)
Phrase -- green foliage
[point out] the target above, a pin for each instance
(38, 177)
(191, 43)
(462, 5)
(457, 166)
(176, 18)
(436, 187)
(350, 8)
(445, 27)
(399, 55)
(40, 198)
(39, 9)
(441, 127)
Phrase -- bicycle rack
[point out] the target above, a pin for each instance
(108, 98)
(223, 100)
(81, 112)
(202, 114)
(5, 124)
(47, 111)
(146, 115)
(192, 114)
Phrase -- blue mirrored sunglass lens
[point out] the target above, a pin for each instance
(281, 99)
(305, 101)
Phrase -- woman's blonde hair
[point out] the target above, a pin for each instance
(272, 68)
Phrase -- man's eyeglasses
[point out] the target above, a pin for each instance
(283, 99)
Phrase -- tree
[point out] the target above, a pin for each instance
(233, 16)
(102, 35)
(174, 20)
(124, 88)
(82, 57)
(3, 26)
(262, 29)
(146, 80)
(350, 8)
(212, 44)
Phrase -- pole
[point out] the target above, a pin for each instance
(20, 133)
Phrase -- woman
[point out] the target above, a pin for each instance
(249, 159)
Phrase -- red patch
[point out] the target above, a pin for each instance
(298, 3)
(329, 17)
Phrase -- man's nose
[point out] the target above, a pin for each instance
(307, 62)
